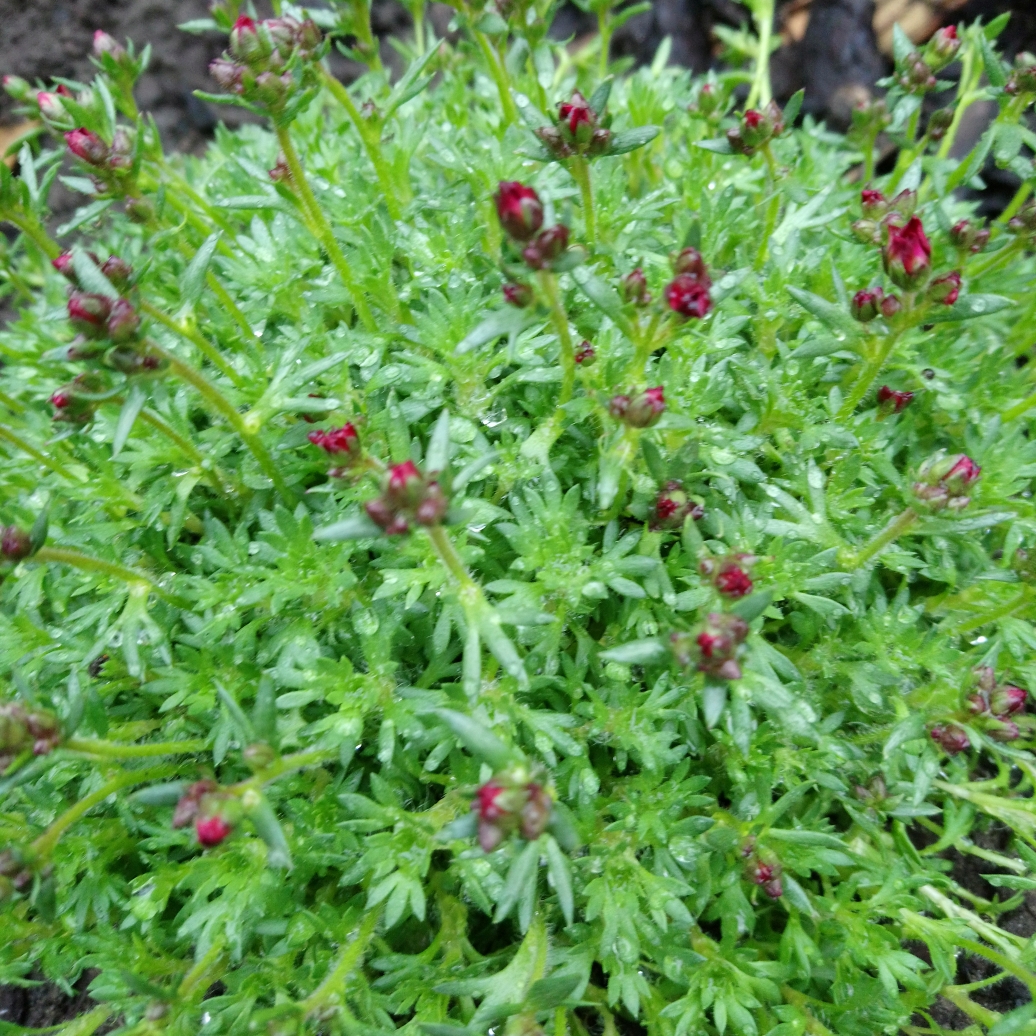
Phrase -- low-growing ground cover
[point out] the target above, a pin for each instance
(517, 548)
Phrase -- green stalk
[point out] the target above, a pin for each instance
(331, 989)
(558, 316)
(449, 557)
(204, 346)
(580, 170)
(44, 845)
(895, 528)
(604, 37)
(1019, 199)
(285, 764)
(223, 483)
(112, 750)
(997, 259)
(371, 142)
(41, 458)
(1013, 413)
(871, 369)
(499, 74)
(86, 563)
(761, 92)
(225, 408)
(230, 306)
(323, 229)
(32, 228)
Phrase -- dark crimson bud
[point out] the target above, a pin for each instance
(64, 265)
(433, 507)
(61, 399)
(908, 254)
(945, 289)
(117, 271)
(942, 48)
(585, 354)
(673, 506)
(641, 410)
(89, 313)
(547, 246)
(890, 306)
(386, 517)
(190, 801)
(536, 812)
(773, 888)
(338, 442)
(866, 305)
(689, 297)
(969, 238)
(16, 87)
(689, 262)
(1008, 700)
(63, 91)
(951, 738)
(633, 288)
(733, 581)
(519, 209)
(575, 113)
(759, 873)
(211, 830)
(105, 44)
(16, 544)
(716, 644)
(1004, 730)
(491, 801)
(124, 323)
(873, 203)
(402, 480)
(892, 401)
(517, 294)
(88, 146)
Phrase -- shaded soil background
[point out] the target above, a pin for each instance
(834, 49)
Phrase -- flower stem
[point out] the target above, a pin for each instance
(997, 259)
(448, 555)
(499, 74)
(323, 229)
(371, 138)
(230, 306)
(1023, 192)
(330, 990)
(870, 370)
(580, 170)
(762, 15)
(111, 750)
(218, 476)
(895, 528)
(204, 346)
(558, 316)
(604, 38)
(26, 447)
(223, 406)
(33, 229)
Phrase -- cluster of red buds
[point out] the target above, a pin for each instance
(714, 648)
(943, 482)
(688, 293)
(728, 575)
(26, 729)
(110, 165)
(342, 445)
(950, 738)
(76, 402)
(891, 401)
(966, 237)
(577, 130)
(914, 75)
(257, 65)
(585, 355)
(634, 289)
(762, 868)
(998, 702)
(521, 215)
(867, 304)
(407, 496)
(641, 410)
(213, 812)
(514, 800)
(1023, 78)
(673, 506)
(756, 129)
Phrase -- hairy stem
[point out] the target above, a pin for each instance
(41, 458)
(499, 74)
(230, 306)
(323, 229)
(580, 170)
(113, 750)
(761, 92)
(449, 557)
(870, 370)
(558, 316)
(331, 989)
(86, 563)
(206, 348)
(895, 528)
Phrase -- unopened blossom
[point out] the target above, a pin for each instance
(640, 410)
(943, 481)
(673, 506)
(908, 254)
(519, 209)
(892, 400)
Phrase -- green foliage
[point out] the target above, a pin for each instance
(746, 837)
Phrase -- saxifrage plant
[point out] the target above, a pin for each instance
(516, 547)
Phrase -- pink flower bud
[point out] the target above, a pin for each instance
(908, 254)
(190, 802)
(338, 442)
(228, 74)
(951, 738)
(246, 44)
(717, 645)
(433, 506)
(633, 288)
(1004, 730)
(945, 289)
(641, 410)
(64, 265)
(942, 47)
(89, 313)
(384, 515)
(688, 296)
(491, 801)
(16, 87)
(519, 209)
(118, 271)
(689, 262)
(1008, 700)
(517, 294)
(536, 812)
(50, 106)
(866, 304)
(88, 146)
(773, 888)
(402, 480)
(124, 321)
(585, 355)
(890, 306)
(673, 506)
(105, 44)
(211, 830)
(15, 544)
(943, 481)
(893, 401)
(873, 203)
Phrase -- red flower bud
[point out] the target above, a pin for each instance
(190, 801)
(943, 481)
(517, 294)
(433, 506)
(890, 306)
(402, 480)
(1004, 730)
(519, 209)
(88, 146)
(908, 254)
(969, 238)
(715, 645)
(753, 119)
(893, 401)
(951, 738)
(575, 113)
(246, 44)
(117, 271)
(673, 506)
(689, 262)
(15, 544)
(89, 313)
(585, 355)
(124, 321)
(866, 304)
(547, 246)
(338, 442)
(1008, 700)
(633, 288)
(211, 830)
(64, 265)
(491, 801)
(945, 289)
(639, 411)
(688, 296)
(942, 47)
(773, 888)
(50, 106)
(733, 581)
(61, 399)
(873, 203)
